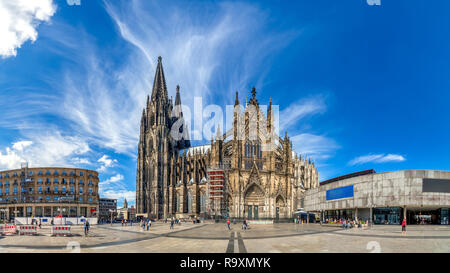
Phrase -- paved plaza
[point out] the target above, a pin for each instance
(216, 238)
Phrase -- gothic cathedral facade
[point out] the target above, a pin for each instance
(263, 178)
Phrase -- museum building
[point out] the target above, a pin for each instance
(422, 196)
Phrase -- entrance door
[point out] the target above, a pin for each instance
(256, 213)
(250, 216)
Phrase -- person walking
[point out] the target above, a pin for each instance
(404, 226)
(86, 228)
(171, 223)
(149, 221)
(228, 223)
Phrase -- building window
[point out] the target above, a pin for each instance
(7, 175)
(90, 191)
(55, 172)
(7, 183)
(81, 190)
(56, 189)
(40, 189)
(31, 173)
(81, 173)
(55, 198)
(7, 191)
(15, 190)
(1, 191)
(55, 181)
(47, 172)
(71, 181)
(47, 190)
(90, 183)
(40, 181)
(81, 182)
(40, 172)
(64, 189)
(64, 173)
(80, 199)
(47, 198)
(71, 189)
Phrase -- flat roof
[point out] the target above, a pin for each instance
(350, 175)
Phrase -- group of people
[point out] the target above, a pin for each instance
(244, 224)
(146, 224)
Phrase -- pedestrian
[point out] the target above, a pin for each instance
(86, 228)
(228, 223)
(148, 223)
(40, 222)
(171, 224)
(125, 222)
(404, 226)
(122, 222)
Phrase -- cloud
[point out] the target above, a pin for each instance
(210, 50)
(19, 20)
(315, 146)
(378, 158)
(46, 150)
(106, 163)
(115, 188)
(297, 110)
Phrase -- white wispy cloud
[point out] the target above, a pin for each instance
(114, 187)
(19, 20)
(106, 163)
(377, 158)
(300, 109)
(49, 149)
(315, 146)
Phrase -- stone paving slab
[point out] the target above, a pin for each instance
(216, 238)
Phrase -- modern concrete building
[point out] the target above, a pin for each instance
(422, 196)
(48, 192)
(105, 205)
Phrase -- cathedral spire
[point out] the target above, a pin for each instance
(177, 97)
(159, 84)
(236, 101)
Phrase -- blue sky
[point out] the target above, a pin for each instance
(358, 86)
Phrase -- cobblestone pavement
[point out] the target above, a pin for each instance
(216, 238)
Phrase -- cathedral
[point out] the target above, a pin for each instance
(247, 172)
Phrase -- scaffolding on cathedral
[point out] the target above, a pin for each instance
(216, 192)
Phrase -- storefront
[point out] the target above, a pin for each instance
(387, 216)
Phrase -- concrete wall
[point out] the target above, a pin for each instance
(390, 189)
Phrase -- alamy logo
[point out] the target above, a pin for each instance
(73, 2)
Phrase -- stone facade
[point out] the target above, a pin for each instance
(47, 192)
(263, 177)
(390, 189)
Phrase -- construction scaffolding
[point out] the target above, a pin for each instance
(216, 193)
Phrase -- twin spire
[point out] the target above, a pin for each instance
(159, 83)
